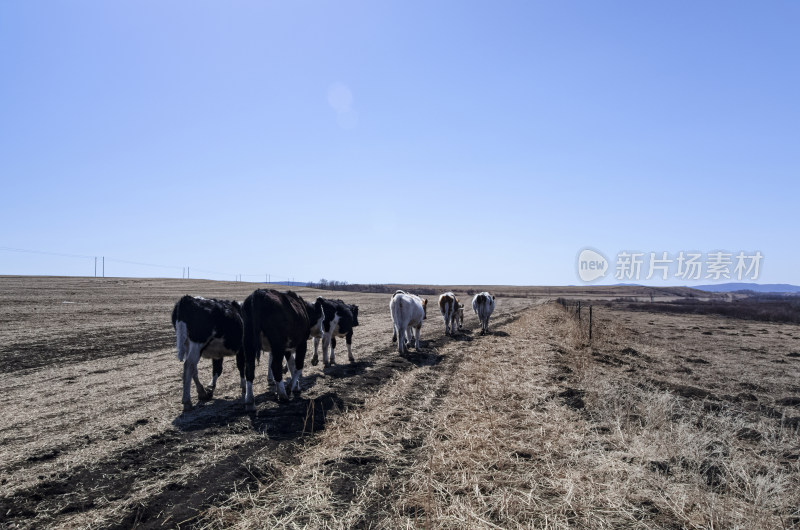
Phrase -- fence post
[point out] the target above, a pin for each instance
(579, 310)
(590, 322)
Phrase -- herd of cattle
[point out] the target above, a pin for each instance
(281, 323)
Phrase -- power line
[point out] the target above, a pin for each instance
(10, 249)
(184, 270)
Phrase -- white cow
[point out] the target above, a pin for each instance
(408, 311)
(452, 312)
(483, 305)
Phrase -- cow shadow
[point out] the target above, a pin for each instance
(349, 369)
(287, 420)
(497, 333)
(297, 417)
(424, 356)
(465, 335)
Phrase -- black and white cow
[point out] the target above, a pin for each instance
(206, 328)
(408, 311)
(452, 312)
(339, 319)
(483, 305)
(277, 323)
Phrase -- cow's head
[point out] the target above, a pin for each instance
(460, 315)
(424, 308)
(354, 310)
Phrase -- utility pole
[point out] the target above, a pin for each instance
(104, 266)
(95, 266)
(187, 273)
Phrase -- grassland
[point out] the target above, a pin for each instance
(664, 420)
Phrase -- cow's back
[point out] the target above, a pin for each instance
(270, 312)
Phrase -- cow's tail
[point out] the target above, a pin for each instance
(182, 338)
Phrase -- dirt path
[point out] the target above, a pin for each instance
(375, 467)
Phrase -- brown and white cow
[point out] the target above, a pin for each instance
(452, 312)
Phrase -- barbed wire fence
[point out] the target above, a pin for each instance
(102, 266)
(573, 309)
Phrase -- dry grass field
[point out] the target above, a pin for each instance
(664, 421)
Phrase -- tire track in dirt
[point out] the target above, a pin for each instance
(168, 478)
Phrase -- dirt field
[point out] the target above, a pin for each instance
(663, 421)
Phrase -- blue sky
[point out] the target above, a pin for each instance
(419, 142)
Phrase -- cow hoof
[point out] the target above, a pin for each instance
(314, 361)
(281, 389)
(187, 407)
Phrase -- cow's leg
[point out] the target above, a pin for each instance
(291, 364)
(278, 354)
(189, 373)
(240, 366)
(270, 372)
(315, 358)
(409, 335)
(249, 375)
(446, 323)
(333, 349)
(216, 371)
(349, 340)
(400, 337)
(299, 360)
(326, 342)
(416, 336)
(202, 395)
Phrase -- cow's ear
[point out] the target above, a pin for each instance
(492, 297)
(318, 302)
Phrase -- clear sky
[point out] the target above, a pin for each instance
(396, 141)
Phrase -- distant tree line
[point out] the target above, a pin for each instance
(336, 285)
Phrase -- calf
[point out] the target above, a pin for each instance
(483, 305)
(452, 312)
(338, 320)
(408, 311)
(205, 328)
(279, 324)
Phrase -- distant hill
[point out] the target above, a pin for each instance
(756, 287)
(290, 284)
